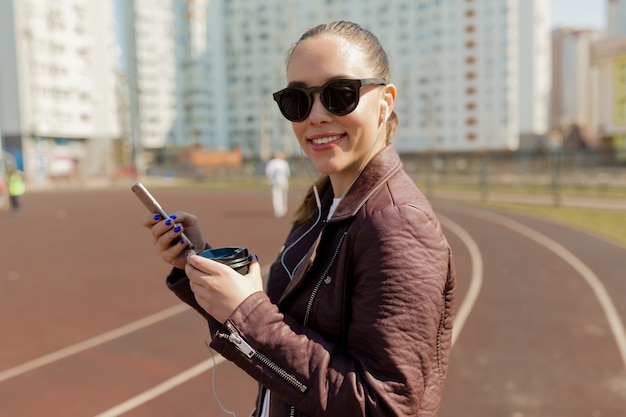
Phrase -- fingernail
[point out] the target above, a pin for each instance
(182, 241)
(168, 222)
(157, 217)
(176, 229)
(256, 257)
(172, 216)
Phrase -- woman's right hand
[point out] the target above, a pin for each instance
(166, 236)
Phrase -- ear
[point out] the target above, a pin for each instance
(388, 101)
(385, 111)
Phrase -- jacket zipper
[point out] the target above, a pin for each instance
(233, 337)
(321, 279)
(318, 284)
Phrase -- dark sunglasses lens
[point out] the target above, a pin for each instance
(341, 97)
(294, 104)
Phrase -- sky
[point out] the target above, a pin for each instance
(579, 13)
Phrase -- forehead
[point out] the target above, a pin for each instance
(317, 59)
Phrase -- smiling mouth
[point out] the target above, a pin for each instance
(324, 141)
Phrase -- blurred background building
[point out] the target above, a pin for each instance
(189, 82)
(58, 107)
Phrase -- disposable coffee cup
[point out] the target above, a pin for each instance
(237, 258)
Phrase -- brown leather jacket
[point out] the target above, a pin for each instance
(364, 325)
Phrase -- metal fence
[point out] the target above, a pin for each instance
(549, 176)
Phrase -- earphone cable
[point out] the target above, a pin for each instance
(214, 373)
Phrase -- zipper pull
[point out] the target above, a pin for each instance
(241, 344)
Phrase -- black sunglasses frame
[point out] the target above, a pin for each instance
(354, 84)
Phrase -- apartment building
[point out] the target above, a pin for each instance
(176, 73)
(571, 89)
(458, 65)
(57, 86)
(206, 70)
(616, 16)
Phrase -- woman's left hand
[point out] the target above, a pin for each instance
(218, 288)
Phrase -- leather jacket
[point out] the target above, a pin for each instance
(357, 315)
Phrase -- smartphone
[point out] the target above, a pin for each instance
(153, 205)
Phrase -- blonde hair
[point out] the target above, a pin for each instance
(377, 57)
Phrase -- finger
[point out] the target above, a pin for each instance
(255, 266)
(175, 254)
(208, 266)
(150, 220)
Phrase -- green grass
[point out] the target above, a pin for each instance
(537, 189)
(610, 224)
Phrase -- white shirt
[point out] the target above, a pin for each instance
(277, 170)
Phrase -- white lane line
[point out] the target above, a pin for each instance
(476, 280)
(613, 318)
(90, 343)
(162, 388)
(172, 383)
(460, 318)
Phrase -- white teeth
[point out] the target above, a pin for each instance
(323, 141)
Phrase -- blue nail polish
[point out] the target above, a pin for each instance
(173, 216)
(177, 229)
(157, 217)
(168, 222)
(182, 241)
(256, 257)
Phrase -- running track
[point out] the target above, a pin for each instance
(89, 330)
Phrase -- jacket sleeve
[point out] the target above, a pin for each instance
(178, 283)
(400, 263)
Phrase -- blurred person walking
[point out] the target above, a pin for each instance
(277, 170)
(16, 187)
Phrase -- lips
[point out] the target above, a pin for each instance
(319, 142)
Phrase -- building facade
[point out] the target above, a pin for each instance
(571, 88)
(616, 16)
(472, 75)
(458, 64)
(57, 76)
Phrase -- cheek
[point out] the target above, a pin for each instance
(298, 131)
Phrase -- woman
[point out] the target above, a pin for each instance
(357, 315)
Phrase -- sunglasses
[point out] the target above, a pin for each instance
(338, 96)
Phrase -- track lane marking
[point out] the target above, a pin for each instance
(476, 279)
(602, 295)
(93, 342)
(162, 388)
(459, 320)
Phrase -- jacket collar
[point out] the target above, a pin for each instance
(378, 170)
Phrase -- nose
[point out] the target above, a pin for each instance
(318, 113)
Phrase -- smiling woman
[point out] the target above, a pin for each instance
(358, 310)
